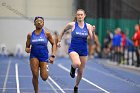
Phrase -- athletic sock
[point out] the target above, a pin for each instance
(47, 67)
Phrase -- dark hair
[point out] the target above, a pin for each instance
(81, 10)
(75, 19)
(38, 17)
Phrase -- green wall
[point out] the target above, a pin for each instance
(102, 25)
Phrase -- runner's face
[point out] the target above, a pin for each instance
(39, 23)
(80, 15)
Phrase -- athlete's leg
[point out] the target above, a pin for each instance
(43, 70)
(80, 70)
(75, 63)
(75, 59)
(34, 64)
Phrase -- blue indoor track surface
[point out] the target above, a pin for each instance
(99, 77)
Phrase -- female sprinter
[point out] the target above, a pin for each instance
(78, 48)
(36, 45)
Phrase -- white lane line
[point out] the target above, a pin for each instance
(17, 78)
(6, 77)
(57, 85)
(113, 76)
(66, 69)
(8, 88)
(52, 86)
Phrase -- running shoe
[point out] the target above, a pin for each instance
(72, 72)
(75, 89)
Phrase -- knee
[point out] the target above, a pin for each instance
(44, 78)
(76, 65)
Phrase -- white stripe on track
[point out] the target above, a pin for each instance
(17, 78)
(6, 77)
(66, 69)
(52, 86)
(57, 85)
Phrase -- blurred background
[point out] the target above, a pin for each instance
(113, 61)
(16, 17)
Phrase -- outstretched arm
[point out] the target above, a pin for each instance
(67, 28)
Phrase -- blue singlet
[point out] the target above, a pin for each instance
(79, 40)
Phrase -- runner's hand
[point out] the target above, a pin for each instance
(28, 50)
(51, 59)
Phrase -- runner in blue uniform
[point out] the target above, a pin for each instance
(36, 45)
(78, 48)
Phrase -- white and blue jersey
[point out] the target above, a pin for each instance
(79, 40)
(39, 47)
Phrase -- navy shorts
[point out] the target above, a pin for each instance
(41, 58)
(81, 52)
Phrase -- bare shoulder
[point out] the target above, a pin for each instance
(48, 34)
(88, 25)
(29, 34)
(71, 24)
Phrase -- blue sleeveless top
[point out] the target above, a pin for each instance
(39, 43)
(79, 38)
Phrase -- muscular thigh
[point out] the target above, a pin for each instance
(34, 64)
(43, 67)
(74, 58)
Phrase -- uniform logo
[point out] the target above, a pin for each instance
(81, 33)
(37, 40)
